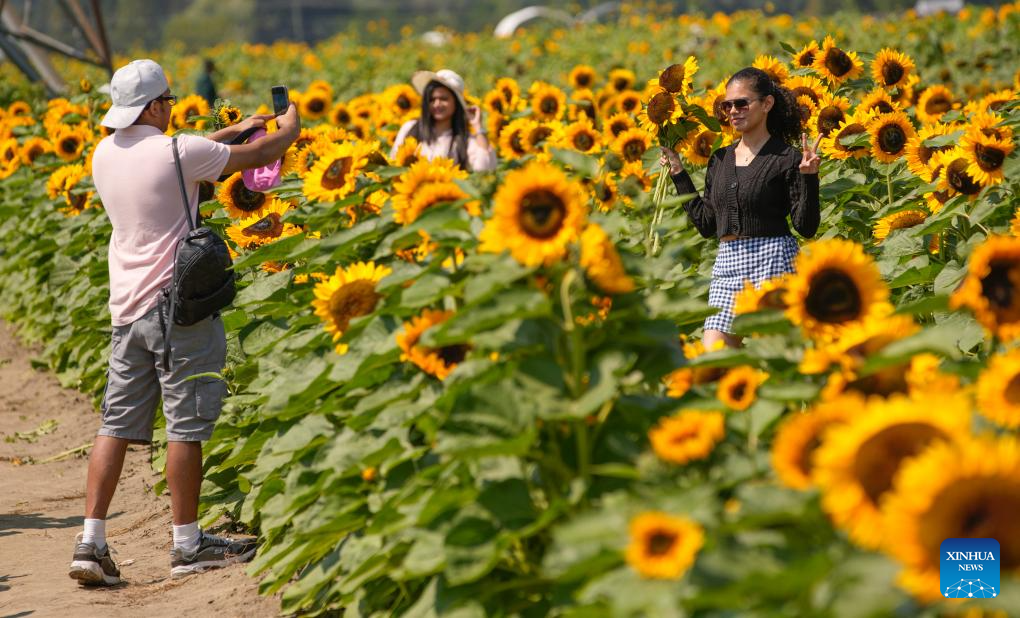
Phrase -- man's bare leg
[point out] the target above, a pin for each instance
(105, 464)
(184, 478)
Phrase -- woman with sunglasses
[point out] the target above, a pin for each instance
(751, 187)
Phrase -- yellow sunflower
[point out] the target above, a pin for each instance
(897, 221)
(407, 153)
(991, 125)
(621, 79)
(661, 108)
(773, 67)
(954, 177)
(581, 136)
(739, 387)
(805, 58)
(994, 101)
(969, 488)
(262, 226)
(632, 144)
(889, 136)
(878, 101)
(857, 343)
(403, 100)
(69, 142)
(513, 142)
(857, 462)
(494, 124)
(33, 148)
(850, 128)
(986, 157)
(340, 114)
(933, 103)
(606, 192)
(547, 101)
(421, 175)
(315, 104)
(602, 263)
(432, 194)
(349, 293)
(229, 115)
(582, 76)
(63, 179)
(239, 201)
(835, 65)
(663, 546)
(541, 135)
(991, 288)
(807, 85)
(616, 125)
(998, 390)
(582, 105)
(334, 175)
(538, 212)
(835, 285)
(767, 295)
(699, 148)
(185, 109)
(493, 102)
(511, 92)
(798, 437)
(829, 116)
(10, 153)
(918, 154)
(678, 78)
(891, 68)
(688, 436)
(439, 362)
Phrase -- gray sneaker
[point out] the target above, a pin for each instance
(92, 567)
(213, 552)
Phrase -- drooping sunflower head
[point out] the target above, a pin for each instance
(547, 101)
(798, 438)
(632, 144)
(969, 489)
(602, 263)
(739, 387)
(407, 153)
(582, 76)
(677, 78)
(663, 546)
(621, 80)
(891, 68)
(538, 212)
(688, 436)
(986, 157)
(990, 125)
(334, 175)
(857, 462)
(835, 285)
(773, 67)
(897, 221)
(428, 196)
(439, 362)
(836, 65)
(889, 136)
(240, 201)
(262, 226)
(933, 103)
(991, 288)
(994, 101)
(856, 344)
(349, 293)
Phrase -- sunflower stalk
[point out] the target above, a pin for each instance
(658, 197)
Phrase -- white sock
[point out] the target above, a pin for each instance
(187, 536)
(95, 532)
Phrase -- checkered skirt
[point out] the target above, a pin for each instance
(754, 259)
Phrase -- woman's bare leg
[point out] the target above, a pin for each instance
(713, 336)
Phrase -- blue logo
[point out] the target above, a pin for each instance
(969, 568)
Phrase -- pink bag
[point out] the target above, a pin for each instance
(262, 178)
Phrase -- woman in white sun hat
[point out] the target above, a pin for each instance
(448, 126)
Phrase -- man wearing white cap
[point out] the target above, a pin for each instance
(137, 180)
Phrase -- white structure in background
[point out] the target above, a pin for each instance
(435, 38)
(509, 24)
(930, 7)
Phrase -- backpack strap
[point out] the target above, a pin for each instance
(180, 179)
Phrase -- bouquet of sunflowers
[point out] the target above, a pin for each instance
(666, 111)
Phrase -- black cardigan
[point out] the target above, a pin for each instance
(774, 189)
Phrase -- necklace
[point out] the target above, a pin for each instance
(751, 152)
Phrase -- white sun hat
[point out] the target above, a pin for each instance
(131, 88)
(445, 77)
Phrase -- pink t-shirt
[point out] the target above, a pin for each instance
(136, 179)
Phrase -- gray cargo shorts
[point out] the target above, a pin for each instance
(136, 379)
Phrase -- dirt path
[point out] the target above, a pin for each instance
(41, 512)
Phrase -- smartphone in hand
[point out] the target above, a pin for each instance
(281, 99)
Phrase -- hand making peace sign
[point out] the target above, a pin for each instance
(810, 160)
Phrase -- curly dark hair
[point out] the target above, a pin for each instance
(783, 120)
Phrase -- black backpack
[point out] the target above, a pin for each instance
(203, 280)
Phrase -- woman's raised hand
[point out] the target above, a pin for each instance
(474, 117)
(809, 158)
(669, 156)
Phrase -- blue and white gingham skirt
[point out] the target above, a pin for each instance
(743, 259)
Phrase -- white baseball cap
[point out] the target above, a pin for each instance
(421, 79)
(131, 88)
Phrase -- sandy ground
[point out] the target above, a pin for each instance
(41, 507)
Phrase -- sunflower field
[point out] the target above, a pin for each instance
(485, 394)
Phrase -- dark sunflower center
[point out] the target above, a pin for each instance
(672, 79)
(884, 382)
(997, 287)
(804, 461)
(805, 111)
(804, 91)
(892, 72)
(77, 202)
(32, 153)
(583, 141)
(892, 139)
(703, 145)
(738, 391)
(772, 300)
(618, 127)
(883, 106)
(838, 62)
(660, 542)
(829, 119)
(549, 105)
(989, 158)
(301, 142)
(245, 199)
(403, 102)
(69, 144)
(604, 192)
(854, 129)
(539, 135)
(517, 144)
(661, 107)
(633, 149)
(336, 174)
(343, 117)
(806, 59)
(269, 226)
(621, 83)
(960, 180)
(938, 104)
(879, 458)
(508, 95)
(629, 104)
(1012, 391)
(453, 354)
(316, 105)
(833, 297)
(352, 300)
(984, 507)
(542, 213)
(496, 104)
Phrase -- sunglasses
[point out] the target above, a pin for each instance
(738, 104)
(169, 98)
